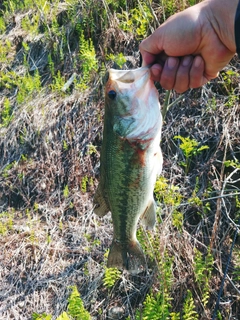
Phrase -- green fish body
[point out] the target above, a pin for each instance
(130, 162)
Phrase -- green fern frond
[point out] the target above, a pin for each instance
(75, 307)
(156, 307)
(64, 316)
(111, 276)
(189, 312)
(175, 316)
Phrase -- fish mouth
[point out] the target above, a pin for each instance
(129, 76)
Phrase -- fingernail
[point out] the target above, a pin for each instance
(186, 61)
(197, 62)
(171, 62)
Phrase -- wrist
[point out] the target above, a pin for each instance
(222, 17)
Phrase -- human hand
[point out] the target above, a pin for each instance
(190, 49)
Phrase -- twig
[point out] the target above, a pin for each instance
(153, 13)
(69, 82)
(230, 280)
(218, 210)
(166, 105)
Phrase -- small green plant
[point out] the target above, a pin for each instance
(5, 49)
(35, 207)
(91, 149)
(155, 308)
(2, 25)
(84, 182)
(203, 206)
(65, 145)
(230, 78)
(66, 191)
(26, 49)
(64, 316)
(6, 222)
(137, 20)
(232, 163)
(14, 5)
(175, 316)
(119, 59)
(111, 276)
(219, 316)
(169, 7)
(58, 83)
(203, 269)
(158, 305)
(89, 62)
(177, 219)
(6, 114)
(8, 79)
(190, 148)
(31, 25)
(6, 170)
(231, 101)
(167, 193)
(76, 308)
(31, 223)
(172, 6)
(92, 242)
(189, 312)
(43, 316)
(51, 65)
(27, 85)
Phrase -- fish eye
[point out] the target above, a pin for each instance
(112, 94)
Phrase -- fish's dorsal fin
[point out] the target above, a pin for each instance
(148, 218)
(101, 207)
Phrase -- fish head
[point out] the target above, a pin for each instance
(126, 90)
(131, 102)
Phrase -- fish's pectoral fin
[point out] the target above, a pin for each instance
(148, 218)
(128, 256)
(101, 206)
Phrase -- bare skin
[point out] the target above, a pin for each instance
(191, 47)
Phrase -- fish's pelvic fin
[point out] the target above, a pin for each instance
(101, 206)
(149, 216)
(128, 256)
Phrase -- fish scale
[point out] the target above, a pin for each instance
(129, 163)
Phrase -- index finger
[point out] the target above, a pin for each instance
(147, 58)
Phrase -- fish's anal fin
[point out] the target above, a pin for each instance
(101, 206)
(127, 256)
(148, 218)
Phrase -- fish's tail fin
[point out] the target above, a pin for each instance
(127, 256)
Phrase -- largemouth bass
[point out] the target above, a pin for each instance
(130, 161)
